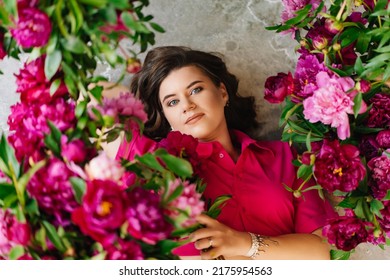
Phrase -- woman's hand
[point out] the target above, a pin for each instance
(216, 239)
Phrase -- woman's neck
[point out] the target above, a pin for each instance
(227, 143)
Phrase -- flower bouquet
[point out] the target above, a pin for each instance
(61, 196)
(337, 106)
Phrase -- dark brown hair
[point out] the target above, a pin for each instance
(160, 62)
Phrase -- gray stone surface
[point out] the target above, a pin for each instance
(234, 28)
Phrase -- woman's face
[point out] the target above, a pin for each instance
(193, 104)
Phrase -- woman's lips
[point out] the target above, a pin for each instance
(193, 119)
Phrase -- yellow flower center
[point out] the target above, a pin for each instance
(104, 209)
(338, 171)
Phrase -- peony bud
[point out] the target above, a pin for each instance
(363, 86)
(336, 47)
(333, 26)
(133, 65)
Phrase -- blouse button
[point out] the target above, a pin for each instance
(221, 155)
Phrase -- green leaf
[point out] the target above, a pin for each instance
(363, 41)
(357, 104)
(175, 194)
(97, 92)
(6, 189)
(339, 255)
(315, 187)
(128, 20)
(301, 15)
(16, 252)
(150, 161)
(376, 206)
(52, 63)
(157, 27)
(53, 236)
(304, 171)
(78, 14)
(349, 202)
(8, 163)
(167, 245)
(179, 166)
(81, 107)
(217, 205)
(32, 207)
(79, 187)
(359, 68)
(349, 36)
(75, 45)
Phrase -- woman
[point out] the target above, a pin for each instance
(192, 92)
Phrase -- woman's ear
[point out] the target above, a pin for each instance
(224, 92)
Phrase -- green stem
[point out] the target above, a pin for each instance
(340, 13)
(60, 22)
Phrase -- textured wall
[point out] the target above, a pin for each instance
(234, 28)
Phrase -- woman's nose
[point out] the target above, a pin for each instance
(188, 105)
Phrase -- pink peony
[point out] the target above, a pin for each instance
(292, 6)
(125, 250)
(12, 233)
(346, 232)
(146, 217)
(278, 87)
(74, 150)
(379, 114)
(102, 211)
(104, 168)
(32, 29)
(331, 103)
(185, 208)
(51, 188)
(380, 175)
(338, 167)
(32, 83)
(28, 125)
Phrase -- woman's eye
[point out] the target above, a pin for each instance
(196, 90)
(173, 102)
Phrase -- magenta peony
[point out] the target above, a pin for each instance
(51, 188)
(2, 50)
(278, 87)
(74, 150)
(379, 114)
(102, 211)
(380, 175)
(184, 209)
(308, 66)
(146, 218)
(384, 221)
(291, 6)
(32, 83)
(125, 250)
(369, 147)
(182, 145)
(12, 232)
(383, 139)
(338, 167)
(331, 103)
(346, 232)
(28, 125)
(32, 29)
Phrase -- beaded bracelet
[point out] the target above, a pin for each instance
(257, 243)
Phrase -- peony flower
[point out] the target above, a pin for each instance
(332, 26)
(102, 211)
(125, 106)
(22, 4)
(12, 232)
(3, 53)
(103, 167)
(146, 218)
(319, 35)
(51, 188)
(369, 147)
(383, 139)
(32, 83)
(184, 209)
(308, 66)
(118, 28)
(379, 114)
(182, 145)
(292, 6)
(32, 29)
(380, 175)
(338, 167)
(346, 232)
(133, 65)
(125, 250)
(331, 103)
(384, 221)
(74, 150)
(28, 125)
(278, 87)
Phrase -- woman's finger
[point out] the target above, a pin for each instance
(204, 243)
(206, 220)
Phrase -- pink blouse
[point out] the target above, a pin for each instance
(260, 203)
